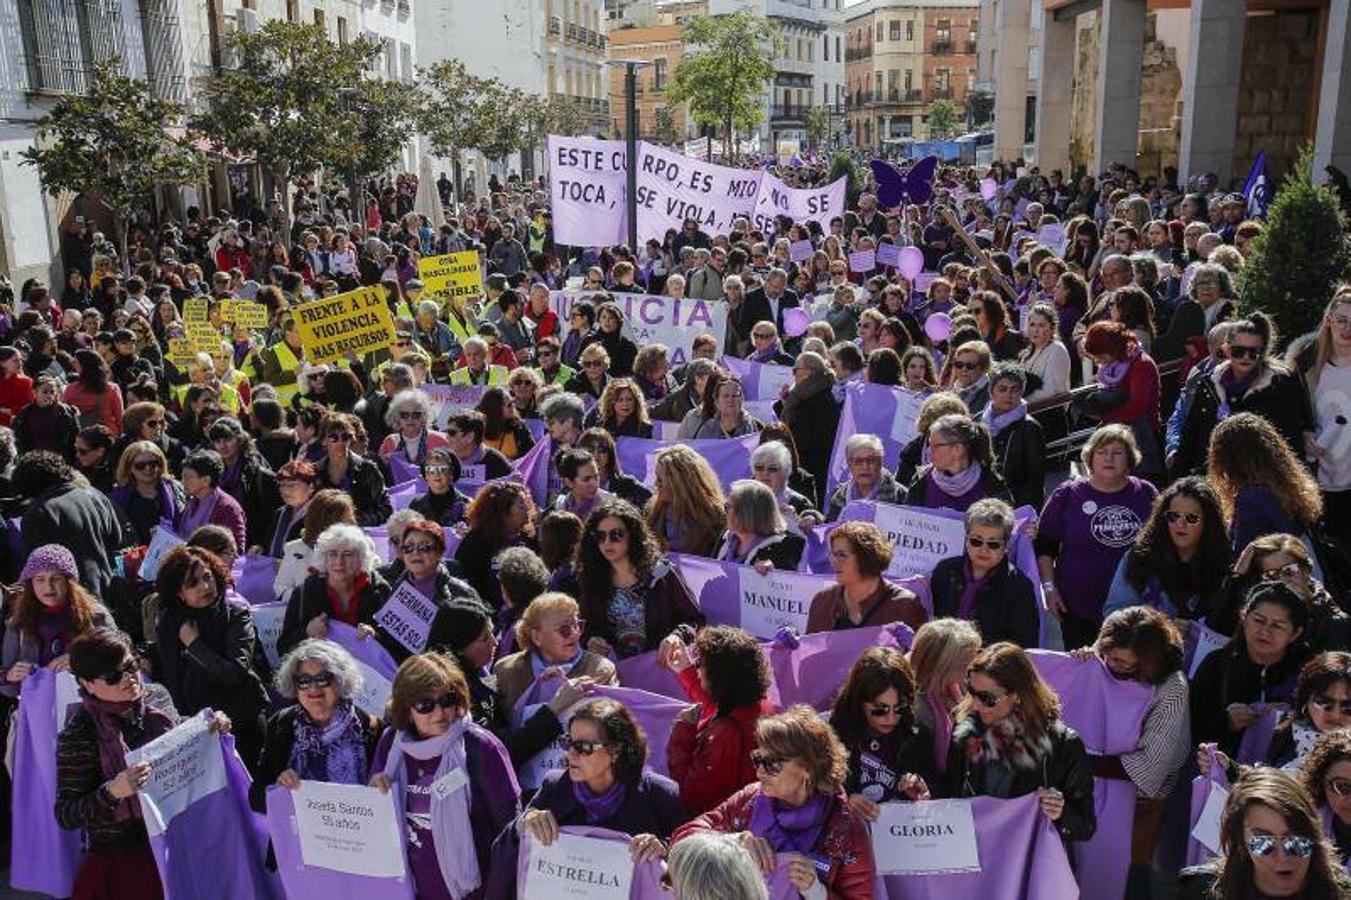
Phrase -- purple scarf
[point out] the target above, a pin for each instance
(958, 485)
(966, 607)
(997, 423)
(197, 513)
(1114, 373)
(108, 718)
(790, 829)
(599, 807)
(232, 478)
(335, 752)
(766, 356)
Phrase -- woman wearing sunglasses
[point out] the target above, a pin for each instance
(605, 785)
(1178, 561)
(1010, 741)
(891, 754)
(146, 493)
(1326, 776)
(601, 445)
(797, 808)
(1249, 380)
(594, 365)
(1272, 845)
(343, 468)
(1285, 558)
(320, 735)
(430, 741)
(409, 417)
(443, 503)
(207, 645)
(967, 374)
(982, 585)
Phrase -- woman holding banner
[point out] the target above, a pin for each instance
(430, 738)
(861, 596)
(321, 735)
(772, 465)
(798, 808)
(581, 479)
(346, 586)
(1326, 776)
(941, 652)
(982, 585)
(757, 534)
(1010, 741)
(963, 469)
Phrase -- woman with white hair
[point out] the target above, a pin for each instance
(409, 417)
(431, 333)
(868, 476)
(713, 866)
(757, 534)
(345, 587)
(771, 465)
(320, 735)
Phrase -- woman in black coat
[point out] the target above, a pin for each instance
(812, 413)
(208, 645)
(344, 470)
(982, 585)
(247, 477)
(1017, 442)
(346, 588)
(609, 334)
(757, 534)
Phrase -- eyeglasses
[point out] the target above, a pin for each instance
(118, 675)
(410, 415)
(986, 699)
(1294, 845)
(153, 423)
(1331, 704)
(882, 710)
(976, 543)
(583, 748)
(445, 701)
(338, 437)
(762, 336)
(768, 470)
(613, 536)
(965, 366)
(437, 470)
(1174, 517)
(568, 629)
(767, 763)
(145, 465)
(314, 682)
(1238, 351)
(594, 364)
(419, 548)
(1289, 570)
(866, 461)
(1339, 786)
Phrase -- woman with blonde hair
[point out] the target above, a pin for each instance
(1262, 486)
(146, 492)
(622, 411)
(966, 371)
(688, 512)
(1325, 365)
(940, 654)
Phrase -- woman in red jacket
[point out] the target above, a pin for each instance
(797, 809)
(1128, 390)
(231, 254)
(16, 388)
(726, 675)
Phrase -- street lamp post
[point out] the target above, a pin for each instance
(358, 208)
(631, 67)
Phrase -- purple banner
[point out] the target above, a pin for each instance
(759, 381)
(254, 574)
(729, 457)
(888, 412)
(1202, 787)
(43, 855)
(655, 713)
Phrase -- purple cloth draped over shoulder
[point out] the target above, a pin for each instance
(1108, 714)
(400, 495)
(1197, 852)
(43, 855)
(533, 469)
(367, 650)
(1021, 855)
(236, 837)
(304, 882)
(655, 713)
(646, 878)
(402, 470)
(729, 457)
(1256, 740)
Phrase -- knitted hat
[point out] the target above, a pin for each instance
(50, 558)
(459, 623)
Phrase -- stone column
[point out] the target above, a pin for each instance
(1210, 88)
(1012, 20)
(1055, 98)
(1116, 131)
(1332, 142)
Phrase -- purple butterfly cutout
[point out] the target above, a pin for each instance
(915, 185)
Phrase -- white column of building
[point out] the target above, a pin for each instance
(1210, 88)
(1117, 122)
(1012, 20)
(1332, 143)
(1055, 98)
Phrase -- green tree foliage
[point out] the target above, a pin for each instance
(555, 114)
(944, 119)
(281, 105)
(377, 122)
(463, 111)
(112, 144)
(728, 61)
(817, 122)
(1301, 255)
(665, 128)
(980, 108)
(842, 165)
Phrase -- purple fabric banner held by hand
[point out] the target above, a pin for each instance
(43, 855)
(729, 457)
(655, 713)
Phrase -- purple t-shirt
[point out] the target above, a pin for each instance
(418, 814)
(1094, 530)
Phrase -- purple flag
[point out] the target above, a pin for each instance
(1256, 740)
(1020, 852)
(535, 469)
(402, 470)
(813, 672)
(759, 381)
(646, 883)
(43, 855)
(888, 412)
(403, 494)
(1202, 786)
(729, 457)
(655, 713)
(364, 650)
(646, 673)
(254, 575)
(1108, 713)
(780, 886)
(304, 882)
(537, 428)
(732, 594)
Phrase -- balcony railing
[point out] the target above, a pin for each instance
(941, 48)
(792, 113)
(941, 93)
(971, 47)
(856, 53)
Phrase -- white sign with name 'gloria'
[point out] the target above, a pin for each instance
(576, 866)
(926, 838)
(349, 828)
(921, 538)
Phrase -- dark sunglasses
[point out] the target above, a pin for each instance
(118, 675)
(984, 698)
(767, 763)
(965, 366)
(145, 465)
(881, 710)
(154, 423)
(1328, 704)
(583, 748)
(445, 701)
(594, 364)
(614, 535)
(409, 415)
(1190, 518)
(1289, 570)
(319, 682)
(437, 470)
(1292, 844)
(976, 543)
(419, 548)
(339, 437)
(1237, 351)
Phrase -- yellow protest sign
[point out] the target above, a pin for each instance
(181, 351)
(194, 310)
(205, 337)
(245, 314)
(355, 322)
(451, 275)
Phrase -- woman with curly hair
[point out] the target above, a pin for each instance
(725, 673)
(688, 512)
(796, 811)
(501, 515)
(1262, 486)
(1326, 776)
(861, 597)
(1272, 844)
(622, 410)
(631, 597)
(1285, 558)
(891, 753)
(1178, 561)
